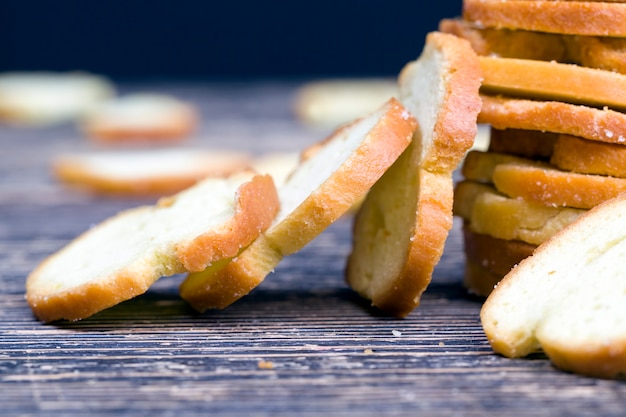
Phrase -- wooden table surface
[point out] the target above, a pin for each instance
(302, 343)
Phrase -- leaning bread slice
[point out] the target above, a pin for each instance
(332, 176)
(145, 171)
(600, 18)
(568, 298)
(401, 228)
(549, 80)
(553, 116)
(124, 255)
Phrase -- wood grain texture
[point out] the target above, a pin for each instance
(301, 344)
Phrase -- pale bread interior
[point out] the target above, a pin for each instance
(568, 299)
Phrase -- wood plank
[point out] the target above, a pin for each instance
(300, 344)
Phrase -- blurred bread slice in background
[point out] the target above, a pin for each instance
(47, 98)
(332, 102)
(140, 117)
(145, 171)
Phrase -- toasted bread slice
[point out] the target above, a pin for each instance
(146, 171)
(508, 43)
(525, 143)
(540, 182)
(568, 298)
(43, 98)
(489, 212)
(123, 256)
(140, 117)
(554, 187)
(331, 177)
(589, 51)
(553, 116)
(465, 194)
(599, 18)
(553, 81)
(401, 228)
(479, 165)
(598, 52)
(589, 157)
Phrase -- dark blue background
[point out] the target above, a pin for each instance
(187, 39)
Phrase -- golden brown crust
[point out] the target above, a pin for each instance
(452, 134)
(176, 130)
(80, 302)
(553, 187)
(125, 174)
(396, 244)
(224, 282)
(54, 294)
(602, 360)
(525, 143)
(221, 286)
(553, 116)
(247, 223)
(567, 17)
(589, 157)
(551, 80)
(348, 184)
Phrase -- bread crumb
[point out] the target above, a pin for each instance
(368, 351)
(441, 344)
(265, 364)
(396, 333)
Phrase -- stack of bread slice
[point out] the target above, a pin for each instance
(543, 205)
(554, 97)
